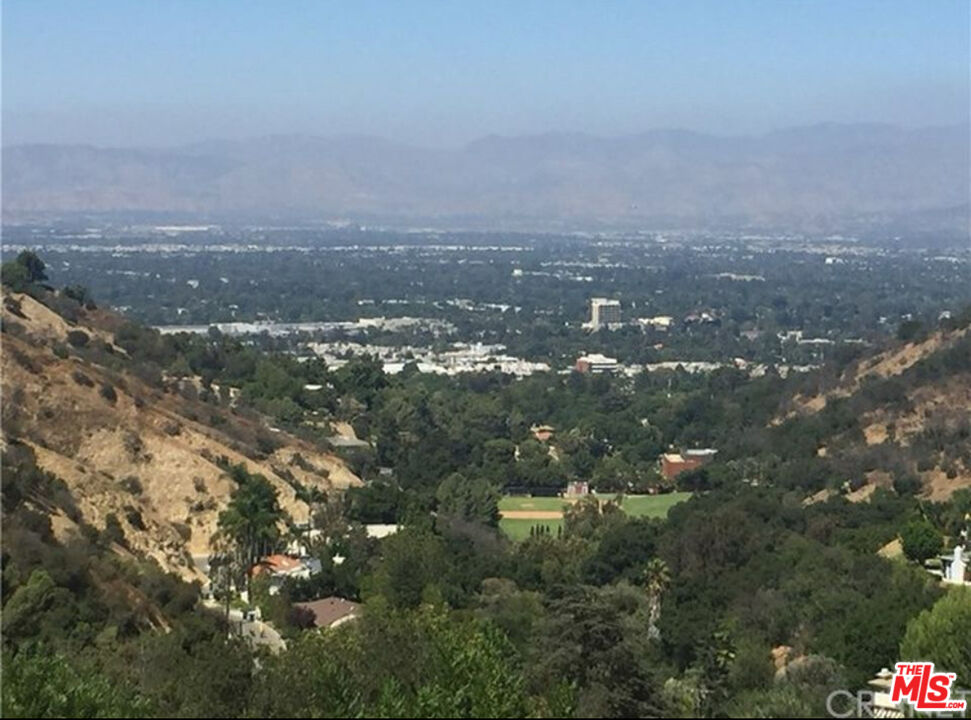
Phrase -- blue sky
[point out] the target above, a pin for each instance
(124, 72)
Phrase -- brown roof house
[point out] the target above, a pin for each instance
(330, 612)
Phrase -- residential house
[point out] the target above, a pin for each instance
(331, 612)
(279, 568)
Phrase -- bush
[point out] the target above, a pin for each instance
(132, 484)
(267, 444)
(134, 518)
(81, 379)
(113, 533)
(81, 294)
(108, 393)
(133, 444)
(149, 373)
(906, 484)
(78, 338)
(910, 331)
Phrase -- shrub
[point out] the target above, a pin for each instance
(133, 444)
(81, 379)
(108, 393)
(906, 484)
(134, 518)
(132, 484)
(113, 533)
(25, 361)
(79, 293)
(78, 338)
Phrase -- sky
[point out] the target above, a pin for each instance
(437, 73)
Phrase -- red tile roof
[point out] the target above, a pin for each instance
(275, 564)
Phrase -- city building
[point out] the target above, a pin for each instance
(603, 313)
(659, 322)
(596, 363)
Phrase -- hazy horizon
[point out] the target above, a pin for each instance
(121, 74)
(458, 145)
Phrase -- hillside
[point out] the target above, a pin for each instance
(820, 178)
(904, 414)
(148, 451)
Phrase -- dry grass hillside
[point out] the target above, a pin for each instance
(910, 408)
(884, 365)
(152, 456)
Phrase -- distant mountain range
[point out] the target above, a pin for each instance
(819, 178)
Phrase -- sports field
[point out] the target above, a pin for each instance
(519, 514)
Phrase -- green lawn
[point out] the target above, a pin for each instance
(654, 506)
(532, 503)
(519, 529)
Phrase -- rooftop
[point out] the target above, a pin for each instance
(331, 611)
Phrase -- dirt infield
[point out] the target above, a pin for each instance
(531, 514)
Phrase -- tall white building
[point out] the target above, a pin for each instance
(603, 313)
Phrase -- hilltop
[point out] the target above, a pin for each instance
(137, 449)
(902, 414)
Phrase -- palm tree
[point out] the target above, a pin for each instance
(225, 569)
(250, 524)
(657, 577)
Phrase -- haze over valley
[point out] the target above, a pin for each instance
(824, 178)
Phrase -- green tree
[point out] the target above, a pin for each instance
(37, 684)
(475, 500)
(252, 520)
(23, 271)
(657, 577)
(38, 608)
(411, 569)
(597, 639)
(14, 276)
(34, 265)
(942, 634)
(590, 518)
(418, 663)
(921, 540)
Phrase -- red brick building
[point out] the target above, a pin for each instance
(673, 464)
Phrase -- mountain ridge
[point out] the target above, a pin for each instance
(819, 177)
